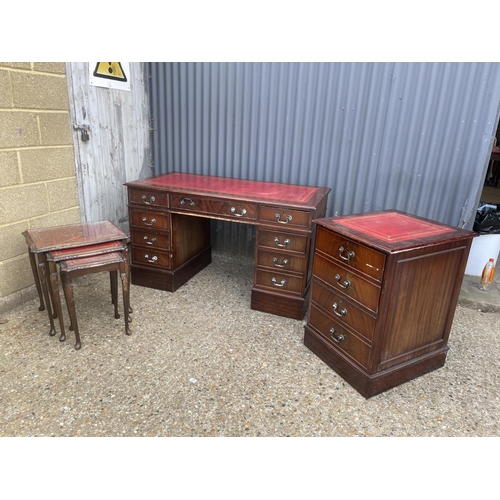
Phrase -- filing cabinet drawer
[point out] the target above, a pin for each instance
(339, 337)
(285, 217)
(280, 240)
(350, 253)
(237, 210)
(280, 282)
(276, 260)
(344, 311)
(151, 258)
(158, 241)
(148, 198)
(341, 279)
(150, 220)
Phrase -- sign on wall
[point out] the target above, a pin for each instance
(112, 75)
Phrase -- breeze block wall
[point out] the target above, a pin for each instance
(37, 166)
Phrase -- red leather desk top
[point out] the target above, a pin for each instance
(228, 187)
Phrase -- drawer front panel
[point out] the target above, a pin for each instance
(148, 198)
(279, 282)
(342, 280)
(150, 220)
(150, 240)
(285, 217)
(237, 210)
(339, 337)
(151, 258)
(343, 311)
(284, 241)
(276, 260)
(350, 253)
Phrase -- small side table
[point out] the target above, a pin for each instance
(44, 240)
(77, 254)
(113, 262)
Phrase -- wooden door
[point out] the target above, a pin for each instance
(111, 141)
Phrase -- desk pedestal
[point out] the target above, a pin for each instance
(169, 266)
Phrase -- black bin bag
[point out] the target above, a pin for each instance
(487, 221)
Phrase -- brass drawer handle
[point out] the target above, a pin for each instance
(148, 223)
(350, 254)
(283, 264)
(340, 313)
(151, 200)
(284, 244)
(241, 214)
(275, 283)
(187, 200)
(149, 242)
(344, 284)
(153, 259)
(337, 338)
(288, 219)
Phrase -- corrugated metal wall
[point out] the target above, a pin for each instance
(410, 136)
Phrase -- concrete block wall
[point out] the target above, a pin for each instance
(37, 166)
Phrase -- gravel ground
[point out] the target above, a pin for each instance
(200, 362)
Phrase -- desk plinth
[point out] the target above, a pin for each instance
(170, 233)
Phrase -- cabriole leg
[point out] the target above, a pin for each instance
(36, 277)
(70, 302)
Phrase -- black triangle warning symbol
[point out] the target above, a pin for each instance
(110, 70)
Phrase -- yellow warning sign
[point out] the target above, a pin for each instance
(110, 70)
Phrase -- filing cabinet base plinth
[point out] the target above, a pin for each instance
(370, 385)
(282, 305)
(170, 281)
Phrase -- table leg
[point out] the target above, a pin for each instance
(67, 283)
(124, 275)
(36, 277)
(42, 267)
(56, 299)
(113, 275)
(112, 282)
(129, 270)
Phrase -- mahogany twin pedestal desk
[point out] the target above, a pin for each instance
(170, 216)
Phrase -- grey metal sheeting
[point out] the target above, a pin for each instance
(410, 136)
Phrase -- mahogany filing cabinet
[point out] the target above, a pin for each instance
(384, 290)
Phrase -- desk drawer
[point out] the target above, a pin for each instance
(148, 198)
(228, 209)
(150, 240)
(279, 281)
(362, 258)
(149, 219)
(285, 217)
(339, 337)
(342, 310)
(342, 280)
(284, 241)
(151, 258)
(277, 260)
